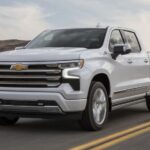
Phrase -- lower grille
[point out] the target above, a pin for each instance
(36, 76)
(28, 103)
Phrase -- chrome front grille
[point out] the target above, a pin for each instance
(36, 76)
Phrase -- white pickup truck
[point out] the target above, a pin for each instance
(88, 71)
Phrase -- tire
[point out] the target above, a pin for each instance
(91, 120)
(6, 121)
(148, 102)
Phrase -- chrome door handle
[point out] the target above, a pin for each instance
(130, 61)
(146, 60)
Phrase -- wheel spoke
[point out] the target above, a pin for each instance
(99, 110)
(102, 97)
(94, 111)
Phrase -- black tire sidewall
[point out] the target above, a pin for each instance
(148, 102)
(8, 120)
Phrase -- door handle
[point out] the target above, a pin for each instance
(146, 60)
(130, 61)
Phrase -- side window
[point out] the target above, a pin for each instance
(115, 38)
(132, 40)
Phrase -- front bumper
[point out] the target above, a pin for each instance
(38, 100)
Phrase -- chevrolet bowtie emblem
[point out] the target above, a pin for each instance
(18, 67)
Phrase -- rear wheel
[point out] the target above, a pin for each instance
(96, 112)
(148, 102)
(8, 120)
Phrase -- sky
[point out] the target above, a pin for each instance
(24, 19)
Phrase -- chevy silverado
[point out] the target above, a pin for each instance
(89, 71)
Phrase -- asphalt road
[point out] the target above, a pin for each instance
(61, 134)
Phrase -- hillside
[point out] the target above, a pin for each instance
(11, 44)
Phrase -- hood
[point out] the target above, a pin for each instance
(42, 54)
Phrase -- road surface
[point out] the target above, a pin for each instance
(63, 134)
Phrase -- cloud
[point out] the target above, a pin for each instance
(21, 21)
(143, 1)
(25, 21)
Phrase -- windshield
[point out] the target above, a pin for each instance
(87, 38)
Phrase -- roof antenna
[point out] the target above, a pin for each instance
(98, 25)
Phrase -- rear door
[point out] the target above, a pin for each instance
(139, 61)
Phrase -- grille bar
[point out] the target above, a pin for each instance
(30, 77)
(26, 83)
(54, 71)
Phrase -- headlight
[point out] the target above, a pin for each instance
(74, 64)
(69, 67)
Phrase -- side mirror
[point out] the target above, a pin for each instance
(120, 49)
(18, 48)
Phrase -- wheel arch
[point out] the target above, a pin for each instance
(104, 79)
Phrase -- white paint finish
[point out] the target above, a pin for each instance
(128, 75)
(42, 54)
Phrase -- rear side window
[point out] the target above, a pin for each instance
(132, 40)
(115, 38)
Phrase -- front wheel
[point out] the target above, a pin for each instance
(96, 112)
(8, 120)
